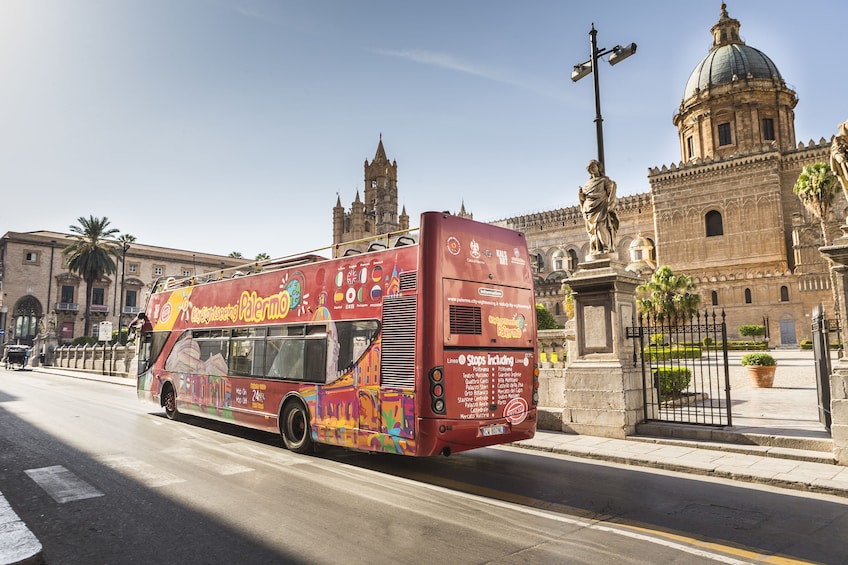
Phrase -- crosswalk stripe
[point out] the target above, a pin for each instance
(61, 484)
(140, 471)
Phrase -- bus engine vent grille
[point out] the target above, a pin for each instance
(408, 281)
(397, 366)
(465, 320)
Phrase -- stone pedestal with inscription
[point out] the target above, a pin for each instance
(603, 385)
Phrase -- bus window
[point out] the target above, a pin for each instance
(354, 338)
(287, 363)
(241, 359)
(213, 355)
(151, 346)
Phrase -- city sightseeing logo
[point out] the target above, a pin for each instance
(454, 246)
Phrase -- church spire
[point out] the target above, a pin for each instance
(380, 155)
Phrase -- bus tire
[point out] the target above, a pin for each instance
(294, 427)
(169, 402)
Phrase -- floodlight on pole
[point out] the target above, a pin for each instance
(616, 55)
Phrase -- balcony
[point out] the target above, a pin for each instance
(100, 308)
(131, 310)
(67, 307)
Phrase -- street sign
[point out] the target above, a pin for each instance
(105, 331)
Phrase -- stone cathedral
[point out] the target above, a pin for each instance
(725, 214)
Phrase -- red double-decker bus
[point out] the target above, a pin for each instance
(424, 346)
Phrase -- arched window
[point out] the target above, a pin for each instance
(558, 260)
(27, 312)
(715, 298)
(714, 223)
(748, 298)
(557, 308)
(784, 294)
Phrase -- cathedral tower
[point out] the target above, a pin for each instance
(377, 213)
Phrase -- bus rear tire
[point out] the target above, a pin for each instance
(294, 427)
(169, 402)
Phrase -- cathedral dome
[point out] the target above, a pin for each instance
(730, 62)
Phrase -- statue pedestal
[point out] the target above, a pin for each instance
(603, 386)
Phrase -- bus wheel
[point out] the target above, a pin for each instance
(294, 427)
(169, 402)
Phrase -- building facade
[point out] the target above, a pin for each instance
(39, 293)
(726, 213)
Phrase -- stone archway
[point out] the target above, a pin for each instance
(24, 324)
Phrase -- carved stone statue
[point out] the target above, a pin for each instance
(839, 156)
(598, 203)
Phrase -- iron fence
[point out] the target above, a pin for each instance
(685, 373)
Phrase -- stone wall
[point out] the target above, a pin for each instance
(114, 360)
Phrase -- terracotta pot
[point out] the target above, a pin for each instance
(762, 375)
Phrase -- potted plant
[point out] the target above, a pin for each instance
(761, 368)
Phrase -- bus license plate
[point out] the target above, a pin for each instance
(493, 430)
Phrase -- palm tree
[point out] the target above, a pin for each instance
(236, 255)
(817, 187)
(90, 255)
(667, 296)
(262, 257)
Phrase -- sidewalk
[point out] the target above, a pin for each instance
(773, 466)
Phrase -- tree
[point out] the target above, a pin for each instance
(668, 296)
(236, 255)
(262, 257)
(817, 187)
(544, 319)
(90, 256)
(752, 330)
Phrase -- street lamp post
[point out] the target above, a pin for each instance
(124, 248)
(50, 276)
(617, 54)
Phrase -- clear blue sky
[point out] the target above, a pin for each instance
(232, 125)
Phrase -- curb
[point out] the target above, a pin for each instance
(18, 545)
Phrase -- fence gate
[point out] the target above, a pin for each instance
(821, 353)
(685, 374)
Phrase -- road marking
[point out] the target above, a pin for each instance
(527, 505)
(207, 461)
(61, 484)
(140, 471)
(274, 456)
(17, 543)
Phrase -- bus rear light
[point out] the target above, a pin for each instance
(535, 385)
(437, 390)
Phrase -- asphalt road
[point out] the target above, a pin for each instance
(102, 478)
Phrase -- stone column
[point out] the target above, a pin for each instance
(603, 386)
(838, 255)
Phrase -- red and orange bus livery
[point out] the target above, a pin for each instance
(425, 346)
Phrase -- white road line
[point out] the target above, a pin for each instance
(207, 460)
(140, 471)
(17, 542)
(62, 484)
